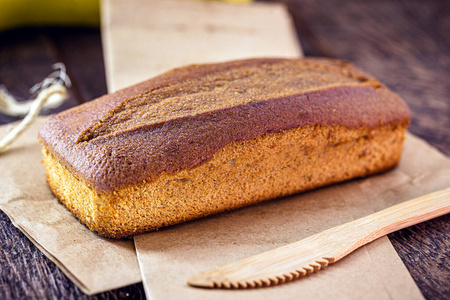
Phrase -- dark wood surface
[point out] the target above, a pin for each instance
(404, 43)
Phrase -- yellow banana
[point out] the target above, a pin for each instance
(19, 13)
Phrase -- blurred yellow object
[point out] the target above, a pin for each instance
(232, 1)
(19, 13)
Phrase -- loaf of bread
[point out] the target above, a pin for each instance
(203, 139)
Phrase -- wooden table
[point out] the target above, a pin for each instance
(404, 43)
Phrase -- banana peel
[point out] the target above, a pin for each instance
(21, 13)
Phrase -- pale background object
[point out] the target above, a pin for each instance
(142, 38)
(168, 257)
(90, 261)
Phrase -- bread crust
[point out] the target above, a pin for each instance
(240, 174)
(209, 138)
(331, 92)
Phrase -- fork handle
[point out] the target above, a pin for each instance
(394, 218)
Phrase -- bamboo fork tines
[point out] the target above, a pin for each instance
(318, 251)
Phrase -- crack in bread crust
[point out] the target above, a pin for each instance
(220, 89)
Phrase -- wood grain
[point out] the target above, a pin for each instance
(26, 57)
(25, 273)
(425, 250)
(81, 51)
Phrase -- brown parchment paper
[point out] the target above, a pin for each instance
(168, 257)
(143, 38)
(95, 264)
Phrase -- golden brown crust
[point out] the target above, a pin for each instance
(179, 120)
(240, 174)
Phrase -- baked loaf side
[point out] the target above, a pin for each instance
(209, 138)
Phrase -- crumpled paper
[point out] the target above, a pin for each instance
(94, 263)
